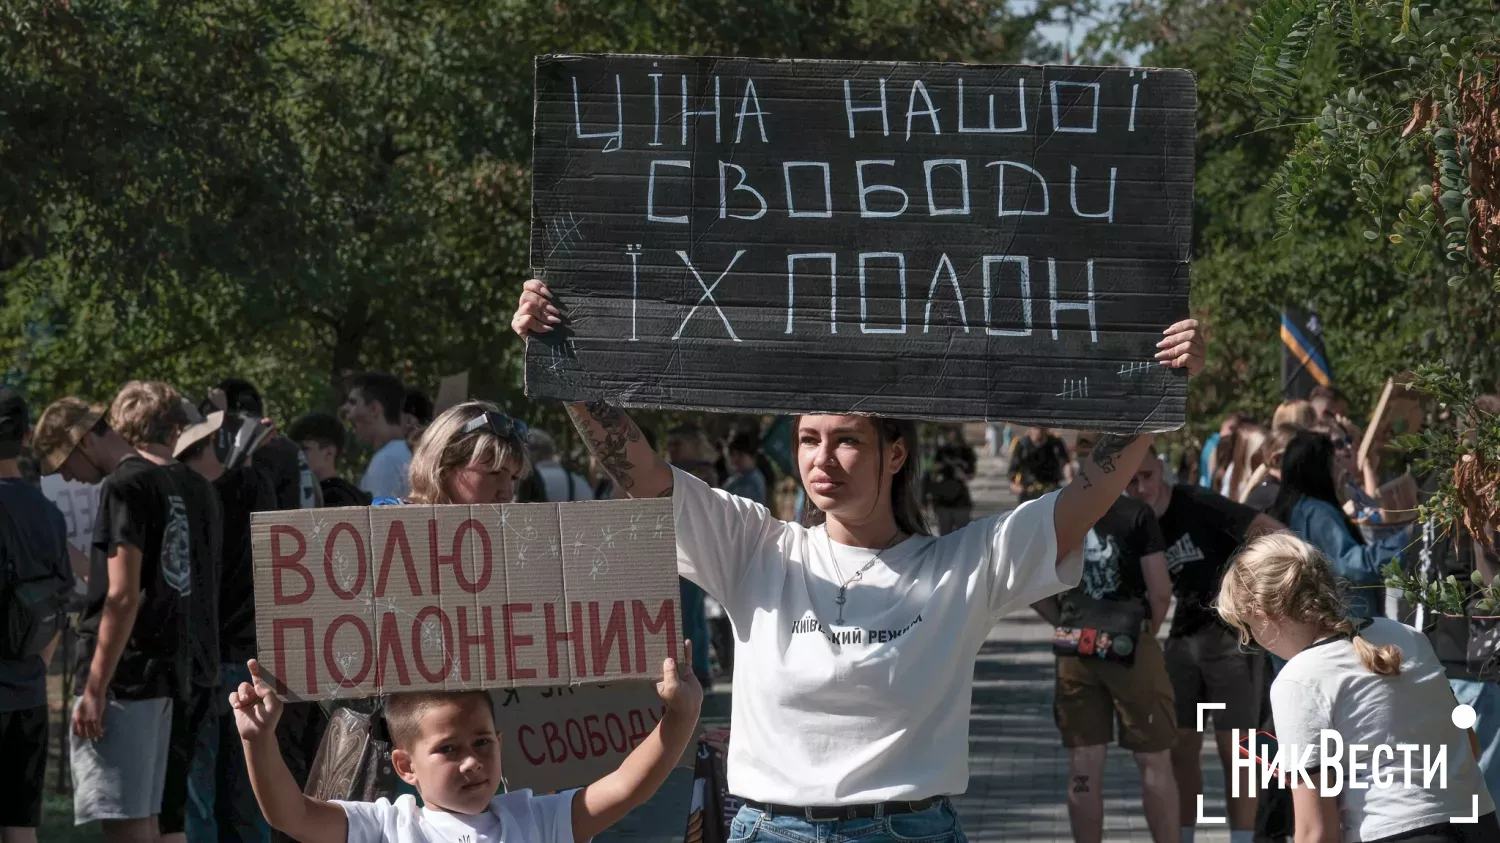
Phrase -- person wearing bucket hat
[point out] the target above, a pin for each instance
(35, 579)
(131, 647)
(152, 416)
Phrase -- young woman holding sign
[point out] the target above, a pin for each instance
(856, 637)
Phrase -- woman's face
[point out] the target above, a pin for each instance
(483, 483)
(840, 461)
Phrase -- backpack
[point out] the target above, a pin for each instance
(33, 597)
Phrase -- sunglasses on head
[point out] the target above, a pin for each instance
(499, 424)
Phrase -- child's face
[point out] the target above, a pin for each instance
(455, 762)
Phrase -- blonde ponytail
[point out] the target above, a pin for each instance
(1289, 579)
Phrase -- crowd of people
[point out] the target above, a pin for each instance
(1302, 476)
(852, 626)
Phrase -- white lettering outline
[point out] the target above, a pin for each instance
(1057, 117)
(708, 294)
(963, 175)
(833, 284)
(786, 174)
(1025, 264)
(863, 307)
(1000, 189)
(993, 129)
(651, 214)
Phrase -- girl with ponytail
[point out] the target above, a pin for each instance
(1377, 683)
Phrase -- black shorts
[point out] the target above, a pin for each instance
(23, 745)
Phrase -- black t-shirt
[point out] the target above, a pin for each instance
(140, 506)
(1039, 463)
(340, 492)
(42, 535)
(1263, 496)
(1112, 554)
(241, 492)
(206, 518)
(1203, 530)
(946, 483)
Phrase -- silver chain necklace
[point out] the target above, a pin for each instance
(858, 575)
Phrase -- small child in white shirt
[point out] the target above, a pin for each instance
(446, 746)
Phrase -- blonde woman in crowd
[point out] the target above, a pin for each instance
(1377, 683)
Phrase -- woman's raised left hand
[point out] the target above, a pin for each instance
(1183, 347)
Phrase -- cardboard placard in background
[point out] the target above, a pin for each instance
(922, 240)
(553, 739)
(452, 391)
(1398, 412)
(362, 601)
(79, 504)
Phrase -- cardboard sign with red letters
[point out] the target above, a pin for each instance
(364, 601)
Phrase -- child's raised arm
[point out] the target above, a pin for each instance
(605, 802)
(287, 808)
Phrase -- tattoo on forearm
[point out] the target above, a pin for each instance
(617, 430)
(1107, 449)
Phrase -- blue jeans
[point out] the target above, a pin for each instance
(235, 810)
(1484, 697)
(938, 824)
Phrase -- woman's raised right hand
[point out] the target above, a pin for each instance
(535, 313)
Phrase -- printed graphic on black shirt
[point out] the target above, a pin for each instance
(177, 547)
(1103, 616)
(1203, 531)
(135, 510)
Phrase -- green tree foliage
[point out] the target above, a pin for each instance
(1303, 176)
(289, 190)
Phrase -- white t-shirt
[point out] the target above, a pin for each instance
(883, 713)
(1326, 687)
(388, 475)
(515, 817)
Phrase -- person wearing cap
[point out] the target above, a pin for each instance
(131, 645)
(151, 416)
(33, 544)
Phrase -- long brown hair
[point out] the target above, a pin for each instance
(1290, 580)
(906, 486)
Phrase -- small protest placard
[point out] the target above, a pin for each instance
(363, 601)
(922, 240)
(552, 739)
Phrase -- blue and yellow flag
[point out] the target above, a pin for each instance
(1304, 365)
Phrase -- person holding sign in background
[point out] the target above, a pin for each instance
(859, 629)
(446, 746)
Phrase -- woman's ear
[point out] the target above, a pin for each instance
(897, 456)
(401, 760)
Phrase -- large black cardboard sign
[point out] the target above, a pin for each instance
(921, 240)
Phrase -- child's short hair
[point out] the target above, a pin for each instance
(403, 712)
(321, 428)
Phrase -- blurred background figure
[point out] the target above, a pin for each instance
(946, 485)
(1038, 464)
